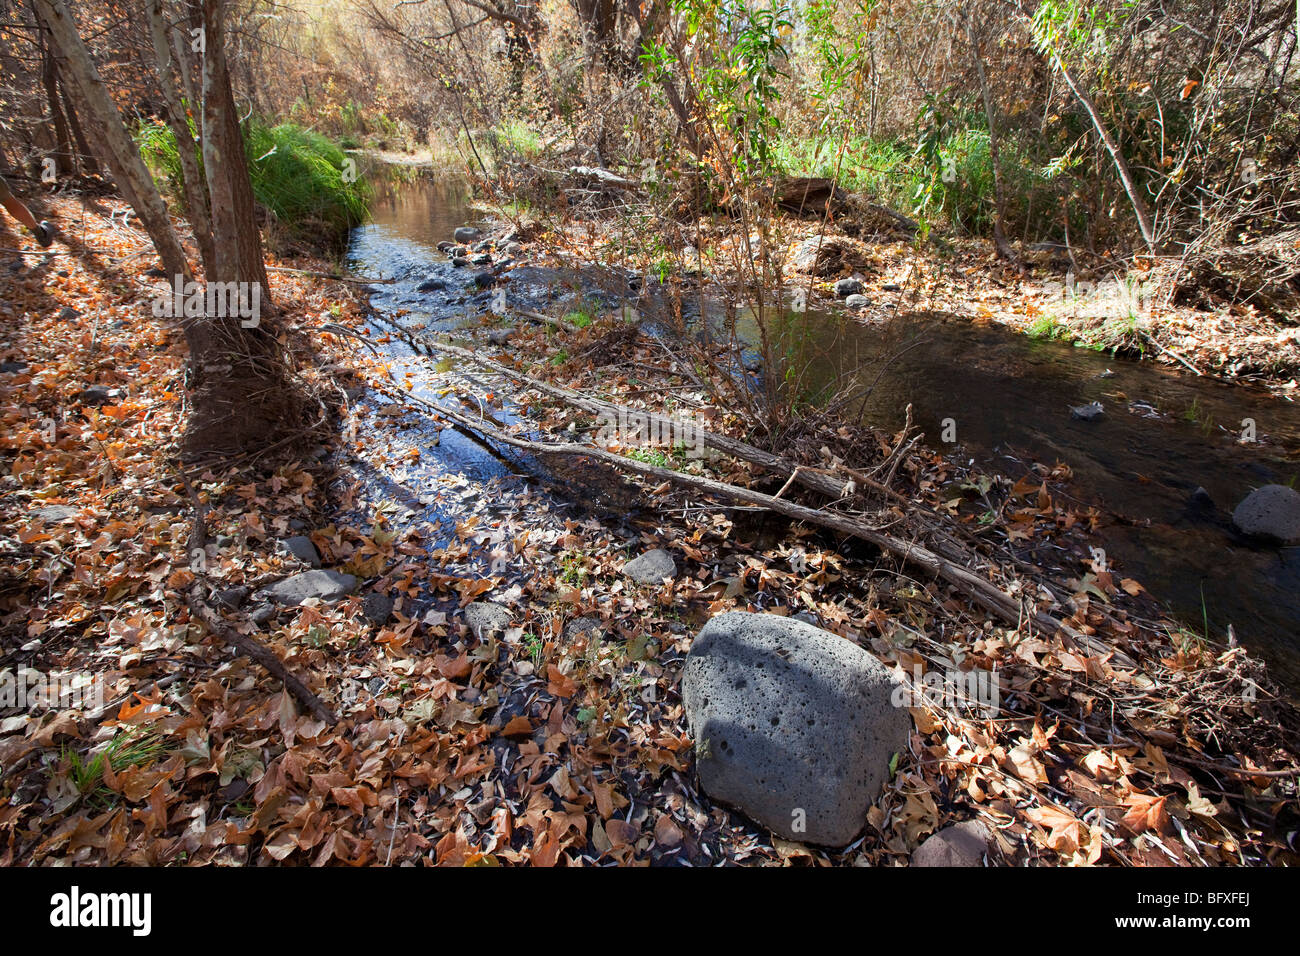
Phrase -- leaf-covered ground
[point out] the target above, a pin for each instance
(561, 740)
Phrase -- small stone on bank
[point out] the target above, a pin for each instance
(793, 725)
(486, 617)
(377, 608)
(301, 547)
(52, 514)
(651, 567)
(962, 844)
(327, 586)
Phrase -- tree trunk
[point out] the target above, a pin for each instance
(120, 153)
(999, 196)
(173, 70)
(50, 81)
(243, 398)
(86, 158)
(646, 26)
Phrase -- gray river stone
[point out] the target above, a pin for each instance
(847, 287)
(857, 302)
(822, 255)
(962, 844)
(301, 547)
(793, 725)
(486, 617)
(328, 586)
(95, 395)
(1091, 412)
(651, 567)
(377, 608)
(232, 598)
(1271, 513)
(53, 514)
(467, 234)
(589, 625)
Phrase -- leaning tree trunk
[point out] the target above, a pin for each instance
(120, 154)
(1135, 199)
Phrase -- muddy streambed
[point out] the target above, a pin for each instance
(1002, 397)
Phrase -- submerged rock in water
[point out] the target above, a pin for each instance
(1270, 513)
(432, 284)
(652, 567)
(1200, 502)
(1088, 413)
(793, 725)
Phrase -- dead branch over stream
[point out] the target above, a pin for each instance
(958, 566)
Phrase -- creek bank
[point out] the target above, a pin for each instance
(557, 618)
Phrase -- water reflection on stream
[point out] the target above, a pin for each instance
(1163, 435)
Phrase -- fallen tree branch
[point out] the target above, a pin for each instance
(252, 648)
(248, 645)
(982, 591)
(545, 319)
(814, 479)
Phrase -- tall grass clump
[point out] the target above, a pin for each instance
(898, 175)
(299, 177)
(302, 179)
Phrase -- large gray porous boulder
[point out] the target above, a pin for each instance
(793, 725)
(1270, 513)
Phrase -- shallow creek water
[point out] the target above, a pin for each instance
(1164, 433)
